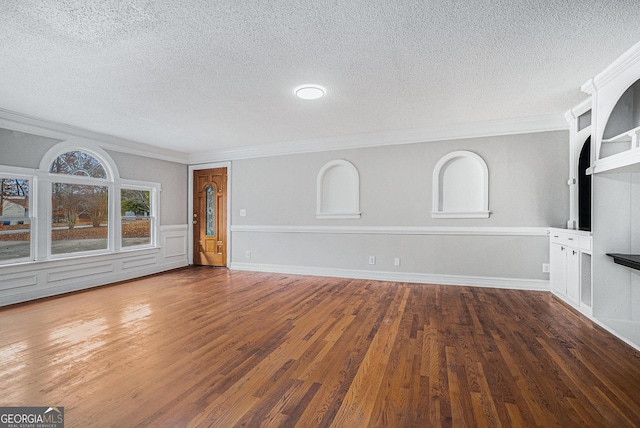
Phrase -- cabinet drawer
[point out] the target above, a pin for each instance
(559, 238)
(585, 243)
(572, 241)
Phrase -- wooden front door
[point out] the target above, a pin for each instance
(210, 217)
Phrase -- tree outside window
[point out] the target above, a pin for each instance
(136, 219)
(15, 223)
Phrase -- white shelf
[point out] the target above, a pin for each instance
(625, 137)
(627, 161)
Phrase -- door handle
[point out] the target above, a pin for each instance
(195, 222)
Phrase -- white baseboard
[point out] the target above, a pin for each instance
(625, 330)
(421, 278)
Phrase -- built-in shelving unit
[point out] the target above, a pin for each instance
(615, 170)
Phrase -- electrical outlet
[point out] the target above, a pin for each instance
(243, 213)
(546, 268)
(247, 254)
(372, 260)
(396, 261)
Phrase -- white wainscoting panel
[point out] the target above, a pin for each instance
(79, 270)
(21, 282)
(17, 280)
(137, 262)
(499, 257)
(174, 241)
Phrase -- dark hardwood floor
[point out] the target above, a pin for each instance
(210, 347)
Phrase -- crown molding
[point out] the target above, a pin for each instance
(589, 87)
(624, 61)
(578, 110)
(32, 125)
(552, 122)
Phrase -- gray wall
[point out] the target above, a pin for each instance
(171, 175)
(527, 187)
(25, 150)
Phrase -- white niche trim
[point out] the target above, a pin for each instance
(338, 190)
(460, 186)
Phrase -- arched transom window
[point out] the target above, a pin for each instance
(78, 163)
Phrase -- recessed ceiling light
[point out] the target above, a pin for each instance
(309, 92)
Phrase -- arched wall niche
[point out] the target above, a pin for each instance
(338, 190)
(460, 186)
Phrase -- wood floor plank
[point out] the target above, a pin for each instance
(206, 347)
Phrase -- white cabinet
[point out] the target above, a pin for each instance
(573, 275)
(558, 274)
(570, 267)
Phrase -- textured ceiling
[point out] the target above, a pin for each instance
(196, 76)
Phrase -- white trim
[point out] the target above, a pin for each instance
(338, 215)
(420, 278)
(576, 143)
(615, 69)
(396, 230)
(80, 145)
(461, 214)
(24, 123)
(615, 329)
(193, 168)
(578, 110)
(627, 161)
(13, 171)
(491, 128)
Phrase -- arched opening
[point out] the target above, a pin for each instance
(584, 187)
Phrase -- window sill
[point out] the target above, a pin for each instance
(469, 214)
(337, 215)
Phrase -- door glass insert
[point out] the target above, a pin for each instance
(210, 208)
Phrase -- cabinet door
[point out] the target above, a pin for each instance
(558, 274)
(573, 275)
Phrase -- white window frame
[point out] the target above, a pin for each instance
(40, 203)
(24, 174)
(154, 207)
(111, 170)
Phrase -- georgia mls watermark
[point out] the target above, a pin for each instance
(31, 417)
